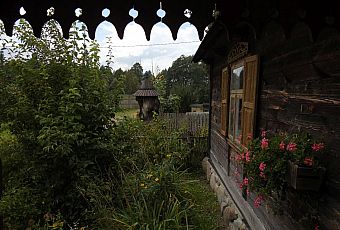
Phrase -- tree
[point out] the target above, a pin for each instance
(147, 74)
(115, 85)
(189, 81)
(169, 103)
(137, 69)
(131, 78)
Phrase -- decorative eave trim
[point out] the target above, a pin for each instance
(238, 51)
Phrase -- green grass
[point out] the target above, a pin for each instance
(205, 203)
(129, 113)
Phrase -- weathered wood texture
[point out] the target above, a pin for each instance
(129, 102)
(219, 148)
(194, 123)
(216, 81)
(299, 89)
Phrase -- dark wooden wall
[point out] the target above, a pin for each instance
(299, 90)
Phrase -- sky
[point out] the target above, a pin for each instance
(154, 55)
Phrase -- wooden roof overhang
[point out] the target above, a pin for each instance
(255, 19)
(215, 45)
(36, 14)
(238, 19)
(255, 14)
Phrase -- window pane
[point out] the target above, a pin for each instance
(231, 117)
(237, 78)
(238, 119)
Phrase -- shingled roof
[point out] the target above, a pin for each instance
(146, 89)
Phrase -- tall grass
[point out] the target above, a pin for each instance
(154, 189)
(168, 214)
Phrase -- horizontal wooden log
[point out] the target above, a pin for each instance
(321, 99)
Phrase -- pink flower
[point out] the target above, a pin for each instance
(245, 181)
(263, 133)
(264, 143)
(318, 147)
(238, 157)
(308, 161)
(282, 145)
(291, 147)
(258, 200)
(262, 166)
(241, 185)
(316, 227)
(242, 156)
(247, 156)
(249, 136)
(262, 175)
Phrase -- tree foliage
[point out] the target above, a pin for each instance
(130, 79)
(187, 81)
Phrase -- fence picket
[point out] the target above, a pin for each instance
(194, 122)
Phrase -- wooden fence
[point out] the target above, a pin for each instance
(195, 123)
(128, 102)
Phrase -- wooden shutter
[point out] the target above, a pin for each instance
(249, 97)
(224, 100)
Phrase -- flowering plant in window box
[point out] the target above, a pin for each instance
(274, 160)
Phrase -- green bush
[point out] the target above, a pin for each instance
(18, 200)
(57, 105)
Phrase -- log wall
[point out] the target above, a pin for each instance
(299, 90)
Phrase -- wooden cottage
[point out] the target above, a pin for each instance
(275, 67)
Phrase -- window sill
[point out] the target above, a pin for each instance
(235, 146)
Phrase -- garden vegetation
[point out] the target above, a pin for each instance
(68, 165)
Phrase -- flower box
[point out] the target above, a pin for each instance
(304, 178)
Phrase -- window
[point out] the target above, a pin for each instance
(235, 102)
(238, 97)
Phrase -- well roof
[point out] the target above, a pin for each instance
(146, 89)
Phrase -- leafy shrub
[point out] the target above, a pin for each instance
(58, 107)
(158, 143)
(141, 144)
(18, 199)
